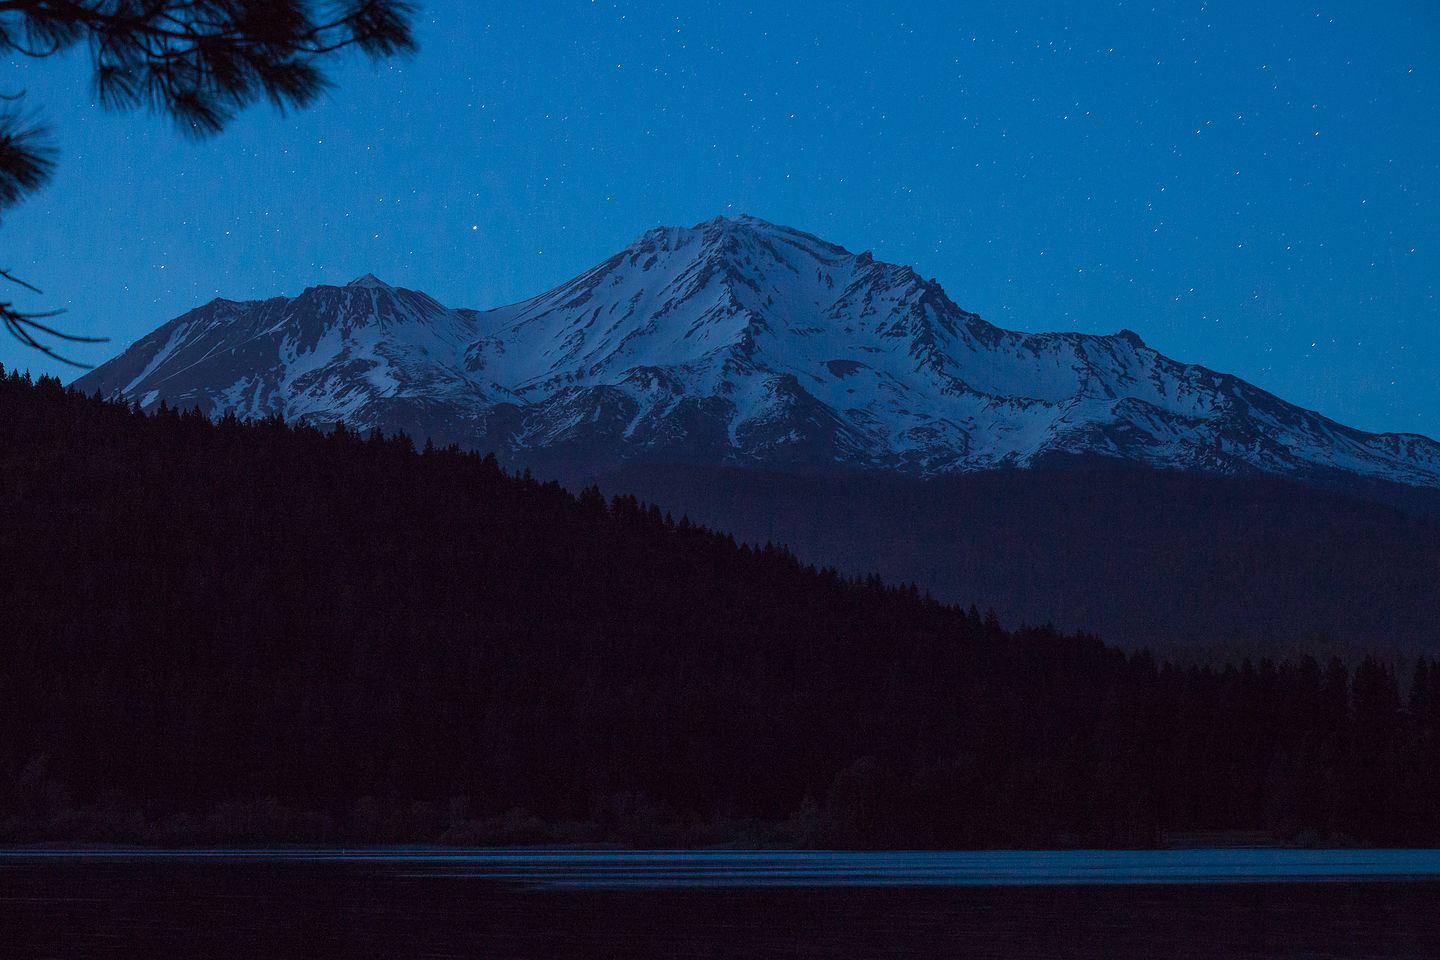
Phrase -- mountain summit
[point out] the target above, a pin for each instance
(743, 343)
(371, 281)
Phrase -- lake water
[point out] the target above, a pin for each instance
(506, 903)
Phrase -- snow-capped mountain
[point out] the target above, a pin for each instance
(735, 342)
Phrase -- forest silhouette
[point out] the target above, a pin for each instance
(247, 632)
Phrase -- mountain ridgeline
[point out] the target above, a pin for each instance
(736, 342)
(779, 387)
(244, 632)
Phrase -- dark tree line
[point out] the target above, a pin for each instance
(255, 631)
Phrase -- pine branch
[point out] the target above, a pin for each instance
(199, 62)
(25, 326)
(27, 159)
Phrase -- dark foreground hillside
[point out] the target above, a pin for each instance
(247, 632)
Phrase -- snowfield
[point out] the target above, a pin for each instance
(739, 342)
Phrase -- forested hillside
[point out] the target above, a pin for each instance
(249, 632)
(1188, 563)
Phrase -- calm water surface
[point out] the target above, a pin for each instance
(1089, 904)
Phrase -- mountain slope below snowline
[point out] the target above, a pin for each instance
(1250, 565)
(246, 633)
(740, 343)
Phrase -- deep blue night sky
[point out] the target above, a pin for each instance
(1252, 186)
